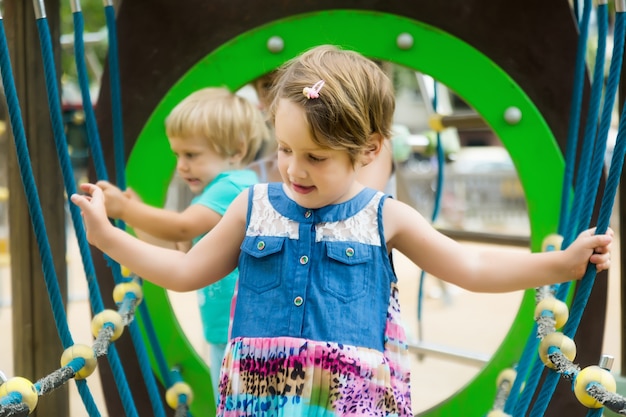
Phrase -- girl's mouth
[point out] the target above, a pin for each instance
(300, 189)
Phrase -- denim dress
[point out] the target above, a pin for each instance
(315, 327)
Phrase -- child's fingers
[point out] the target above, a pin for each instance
(88, 187)
(103, 184)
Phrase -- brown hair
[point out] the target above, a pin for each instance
(356, 101)
(229, 123)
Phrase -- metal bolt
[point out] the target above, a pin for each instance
(606, 362)
(404, 41)
(275, 44)
(513, 115)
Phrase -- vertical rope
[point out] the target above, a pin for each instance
(83, 80)
(615, 68)
(116, 96)
(586, 284)
(585, 190)
(101, 171)
(61, 143)
(585, 185)
(34, 207)
(574, 123)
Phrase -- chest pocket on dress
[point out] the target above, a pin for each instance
(262, 262)
(347, 269)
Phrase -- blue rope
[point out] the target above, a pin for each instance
(528, 354)
(34, 207)
(120, 163)
(61, 143)
(595, 412)
(586, 285)
(615, 68)
(572, 134)
(584, 186)
(101, 171)
(158, 353)
(83, 80)
(116, 98)
(585, 189)
(582, 192)
(34, 204)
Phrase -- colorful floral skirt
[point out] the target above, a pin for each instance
(294, 377)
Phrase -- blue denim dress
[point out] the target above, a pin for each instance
(316, 326)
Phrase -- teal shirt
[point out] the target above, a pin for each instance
(215, 299)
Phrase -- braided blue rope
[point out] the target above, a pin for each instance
(101, 171)
(61, 143)
(34, 207)
(32, 197)
(615, 68)
(528, 355)
(595, 412)
(573, 223)
(586, 284)
(116, 98)
(580, 218)
(585, 189)
(119, 148)
(577, 223)
(120, 158)
(529, 358)
(83, 80)
(574, 122)
(158, 353)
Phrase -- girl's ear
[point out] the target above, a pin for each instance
(375, 145)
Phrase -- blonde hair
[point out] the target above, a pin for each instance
(229, 123)
(356, 100)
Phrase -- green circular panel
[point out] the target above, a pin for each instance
(473, 76)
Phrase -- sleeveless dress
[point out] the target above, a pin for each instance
(269, 371)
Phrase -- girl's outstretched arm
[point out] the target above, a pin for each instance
(216, 256)
(489, 270)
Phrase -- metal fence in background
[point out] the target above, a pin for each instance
(485, 202)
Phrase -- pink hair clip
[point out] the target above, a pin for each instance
(313, 92)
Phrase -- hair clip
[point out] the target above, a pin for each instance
(313, 92)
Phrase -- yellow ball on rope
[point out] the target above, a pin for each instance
(111, 317)
(80, 351)
(558, 308)
(175, 391)
(121, 289)
(590, 375)
(25, 388)
(558, 340)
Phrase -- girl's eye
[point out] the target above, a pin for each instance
(284, 150)
(315, 158)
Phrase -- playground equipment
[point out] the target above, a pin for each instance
(224, 46)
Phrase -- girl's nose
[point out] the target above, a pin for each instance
(295, 170)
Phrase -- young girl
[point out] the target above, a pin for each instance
(315, 328)
(214, 134)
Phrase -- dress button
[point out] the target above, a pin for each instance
(307, 214)
(298, 301)
(350, 252)
(304, 260)
(260, 245)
